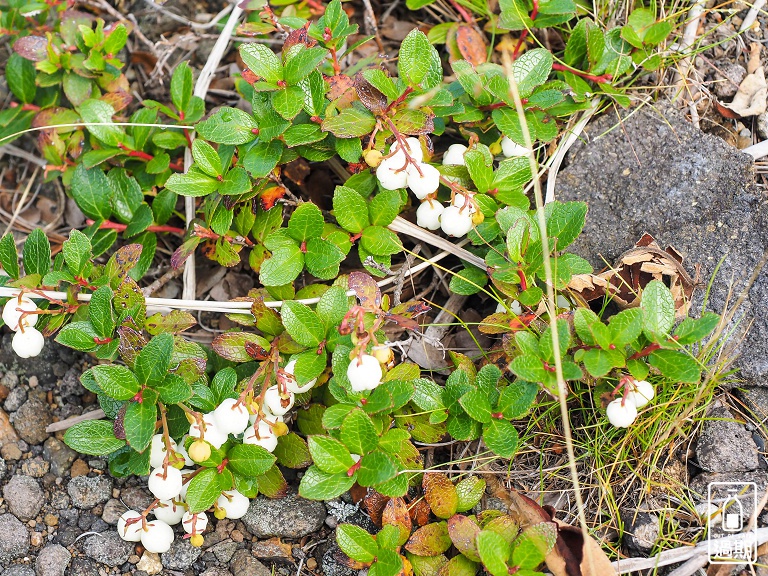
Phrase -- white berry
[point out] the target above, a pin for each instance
(157, 450)
(456, 222)
(276, 402)
(184, 485)
(165, 488)
(129, 532)
(642, 394)
(425, 183)
(231, 416)
(391, 172)
(454, 156)
(621, 412)
(265, 437)
(364, 373)
(514, 307)
(157, 537)
(183, 451)
(13, 310)
(428, 214)
(28, 342)
(194, 523)
(292, 384)
(510, 148)
(464, 203)
(412, 146)
(210, 432)
(233, 503)
(267, 415)
(169, 511)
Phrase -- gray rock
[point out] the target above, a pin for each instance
(344, 512)
(288, 517)
(725, 445)
(244, 564)
(53, 361)
(688, 189)
(82, 566)
(3, 468)
(108, 548)
(217, 571)
(31, 420)
(333, 562)
(15, 541)
(59, 455)
(24, 497)
(35, 467)
(52, 560)
(728, 78)
(113, 509)
(88, 492)
(136, 498)
(16, 398)
(181, 556)
(641, 530)
(19, 570)
(762, 125)
(224, 550)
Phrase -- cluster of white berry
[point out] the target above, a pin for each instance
(399, 170)
(365, 371)
(622, 412)
(19, 314)
(166, 479)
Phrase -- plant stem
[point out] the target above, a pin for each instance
(108, 225)
(603, 79)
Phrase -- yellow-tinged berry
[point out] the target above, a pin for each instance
(354, 338)
(495, 148)
(279, 429)
(383, 354)
(477, 218)
(196, 540)
(372, 158)
(220, 513)
(177, 460)
(199, 451)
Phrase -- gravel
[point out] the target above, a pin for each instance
(288, 517)
(31, 420)
(244, 564)
(181, 556)
(19, 570)
(87, 492)
(52, 561)
(15, 541)
(113, 509)
(59, 455)
(108, 548)
(24, 497)
(16, 398)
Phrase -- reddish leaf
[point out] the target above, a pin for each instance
(119, 99)
(370, 96)
(374, 504)
(420, 511)
(366, 290)
(396, 514)
(31, 47)
(270, 196)
(471, 45)
(429, 540)
(463, 532)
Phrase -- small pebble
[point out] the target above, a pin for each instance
(10, 451)
(51, 520)
(36, 539)
(79, 468)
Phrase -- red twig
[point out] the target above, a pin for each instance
(599, 79)
(107, 225)
(462, 12)
(524, 34)
(178, 166)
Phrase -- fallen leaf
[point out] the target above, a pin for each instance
(752, 96)
(471, 45)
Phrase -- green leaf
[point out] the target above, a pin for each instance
(300, 134)
(206, 158)
(92, 191)
(139, 422)
(358, 432)
(262, 61)
(302, 323)
(494, 552)
(9, 257)
(380, 241)
(350, 209)
(262, 158)
(375, 468)
(546, 346)
(319, 485)
(599, 362)
(356, 543)
(517, 399)
(232, 345)
(470, 491)
(626, 327)
(323, 258)
(658, 308)
(565, 221)
(352, 122)
(385, 206)
(194, 183)
(93, 437)
(203, 490)
(329, 455)
(476, 405)
(528, 368)
(306, 222)
(174, 389)
(501, 437)
(100, 312)
(292, 452)
(77, 252)
(418, 62)
(300, 61)
(333, 306)
(591, 329)
(78, 335)
(692, 330)
(675, 365)
(153, 361)
(36, 254)
(117, 381)
(249, 459)
(20, 75)
(100, 112)
(533, 545)
(470, 280)
(283, 267)
(228, 126)
(288, 102)
(531, 70)
(181, 86)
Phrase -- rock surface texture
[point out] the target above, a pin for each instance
(654, 172)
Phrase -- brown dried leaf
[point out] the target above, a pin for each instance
(429, 540)
(752, 96)
(471, 44)
(420, 512)
(367, 292)
(374, 504)
(371, 97)
(463, 532)
(396, 514)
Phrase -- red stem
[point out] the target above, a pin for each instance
(107, 225)
(598, 79)
(645, 351)
(462, 12)
(524, 34)
(178, 166)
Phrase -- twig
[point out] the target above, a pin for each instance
(372, 27)
(191, 23)
(201, 88)
(162, 281)
(21, 153)
(403, 226)
(689, 37)
(23, 198)
(751, 16)
(69, 422)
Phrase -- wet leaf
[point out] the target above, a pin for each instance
(429, 540)
(441, 495)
